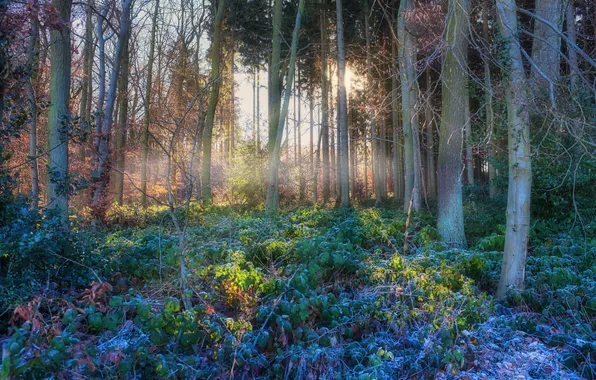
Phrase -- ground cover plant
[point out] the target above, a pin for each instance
(313, 292)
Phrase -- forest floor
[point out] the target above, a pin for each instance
(311, 293)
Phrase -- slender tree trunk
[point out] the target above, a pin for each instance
(409, 86)
(311, 106)
(492, 149)
(574, 73)
(121, 128)
(58, 114)
(301, 179)
(468, 140)
(147, 115)
(325, 110)
(32, 67)
(258, 111)
(546, 46)
(520, 168)
(102, 166)
(213, 100)
(431, 178)
(272, 203)
(86, 82)
(450, 221)
(275, 77)
(398, 178)
(342, 111)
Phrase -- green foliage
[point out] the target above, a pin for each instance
(312, 292)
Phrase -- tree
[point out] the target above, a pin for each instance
(342, 111)
(325, 108)
(58, 118)
(121, 126)
(32, 67)
(213, 100)
(272, 202)
(450, 221)
(520, 166)
(146, 116)
(409, 93)
(101, 171)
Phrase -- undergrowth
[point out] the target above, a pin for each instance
(312, 292)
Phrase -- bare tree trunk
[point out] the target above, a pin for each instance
(213, 100)
(520, 168)
(574, 72)
(372, 116)
(275, 77)
(450, 221)
(311, 106)
(102, 166)
(492, 149)
(431, 177)
(301, 179)
(58, 114)
(32, 67)
(546, 45)
(409, 86)
(121, 128)
(272, 203)
(147, 115)
(86, 85)
(325, 110)
(398, 178)
(342, 111)
(468, 140)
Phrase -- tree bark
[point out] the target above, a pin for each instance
(398, 178)
(102, 166)
(520, 168)
(32, 67)
(342, 111)
(58, 186)
(213, 100)
(450, 221)
(272, 203)
(325, 109)
(409, 89)
(431, 177)
(574, 73)
(488, 95)
(546, 45)
(147, 115)
(121, 128)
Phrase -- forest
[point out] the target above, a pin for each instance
(298, 189)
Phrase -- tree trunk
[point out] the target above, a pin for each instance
(275, 77)
(342, 111)
(520, 168)
(468, 134)
(450, 221)
(102, 166)
(546, 45)
(409, 88)
(272, 202)
(490, 125)
(431, 177)
(58, 114)
(398, 178)
(87, 82)
(121, 128)
(32, 67)
(325, 110)
(574, 73)
(146, 116)
(213, 100)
